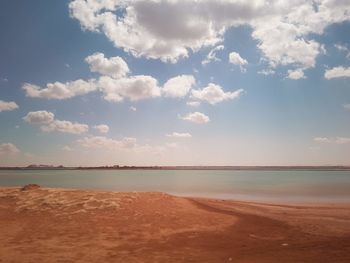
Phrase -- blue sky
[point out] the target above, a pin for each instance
(298, 114)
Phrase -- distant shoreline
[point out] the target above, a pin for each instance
(223, 168)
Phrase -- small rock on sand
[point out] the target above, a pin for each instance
(30, 187)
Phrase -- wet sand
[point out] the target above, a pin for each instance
(60, 225)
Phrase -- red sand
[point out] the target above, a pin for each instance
(56, 225)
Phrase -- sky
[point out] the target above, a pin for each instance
(170, 82)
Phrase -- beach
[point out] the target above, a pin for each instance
(66, 225)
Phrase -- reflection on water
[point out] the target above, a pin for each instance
(269, 186)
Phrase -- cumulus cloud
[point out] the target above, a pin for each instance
(114, 84)
(101, 142)
(58, 90)
(65, 127)
(179, 135)
(211, 57)
(134, 88)
(49, 124)
(196, 117)
(132, 108)
(193, 103)
(322, 139)
(284, 30)
(8, 149)
(114, 67)
(39, 117)
(102, 128)
(342, 140)
(346, 106)
(214, 94)
(337, 140)
(67, 148)
(266, 72)
(179, 86)
(281, 44)
(296, 74)
(8, 106)
(236, 59)
(343, 48)
(337, 72)
(148, 28)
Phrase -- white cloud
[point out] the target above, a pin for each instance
(281, 44)
(212, 55)
(67, 148)
(101, 142)
(60, 90)
(196, 117)
(179, 86)
(266, 72)
(179, 135)
(283, 29)
(214, 94)
(341, 47)
(337, 140)
(236, 59)
(8, 149)
(132, 108)
(193, 103)
(148, 28)
(102, 128)
(8, 106)
(50, 124)
(322, 140)
(65, 127)
(337, 72)
(346, 106)
(134, 88)
(342, 140)
(114, 84)
(296, 74)
(114, 67)
(39, 117)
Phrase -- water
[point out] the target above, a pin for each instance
(261, 186)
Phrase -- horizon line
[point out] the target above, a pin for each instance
(178, 167)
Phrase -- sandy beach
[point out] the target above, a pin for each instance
(61, 225)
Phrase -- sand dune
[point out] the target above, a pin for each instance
(60, 225)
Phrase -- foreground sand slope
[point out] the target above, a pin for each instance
(56, 225)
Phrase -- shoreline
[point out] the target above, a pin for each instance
(186, 168)
(259, 201)
(55, 225)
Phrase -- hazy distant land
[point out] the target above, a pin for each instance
(124, 167)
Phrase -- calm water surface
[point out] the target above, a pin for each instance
(263, 186)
